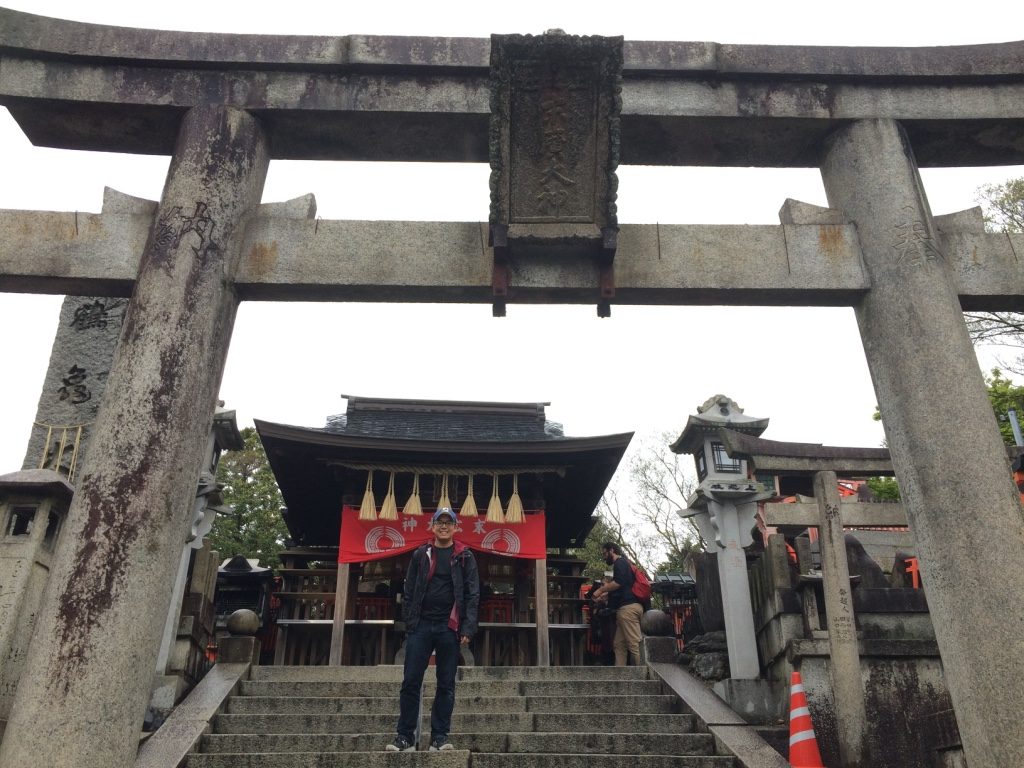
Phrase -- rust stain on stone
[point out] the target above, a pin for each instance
(114, 522)
(830, 239)
(117, 517)
(263, 258)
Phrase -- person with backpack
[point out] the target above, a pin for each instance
(628, 608)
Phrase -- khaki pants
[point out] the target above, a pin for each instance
(627, 633)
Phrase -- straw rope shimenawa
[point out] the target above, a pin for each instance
(414, 506)
(444, 502)
(514, 512)
(389, 509)
(469, 505)
(494, 513)
(368, 509)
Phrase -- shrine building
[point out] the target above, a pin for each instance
(359, 493)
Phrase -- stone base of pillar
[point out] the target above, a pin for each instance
(167, 691)
(659, 649)
(758, 702)
(239, 650)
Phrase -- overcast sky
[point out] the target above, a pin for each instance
(643, 369)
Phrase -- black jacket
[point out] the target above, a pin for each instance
(465, 583)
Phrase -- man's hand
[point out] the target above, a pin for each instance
(464, 640)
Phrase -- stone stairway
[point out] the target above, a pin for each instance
(505, 717)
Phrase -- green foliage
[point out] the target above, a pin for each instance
(640, 512)
(255, 529)
(884, 488)
(1003, 206)
(1005, 395)
(591, 549)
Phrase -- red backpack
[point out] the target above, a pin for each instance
(641, 585)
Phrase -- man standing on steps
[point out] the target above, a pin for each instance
(628, 609)
(439, 605)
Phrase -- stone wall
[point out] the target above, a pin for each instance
(905, 690)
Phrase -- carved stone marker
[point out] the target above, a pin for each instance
(554, 149)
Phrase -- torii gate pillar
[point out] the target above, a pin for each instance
(942, 434)
(86, 681)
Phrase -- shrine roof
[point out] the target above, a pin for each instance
(444, 420)
(316, 468)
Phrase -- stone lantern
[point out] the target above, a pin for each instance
(724, 508)
(33, 507)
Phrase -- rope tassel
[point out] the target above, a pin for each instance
(444, 502)
(514, 514)
(469, 505)
(389, 509)
(414, 506)
(368, 509)
(494, 513)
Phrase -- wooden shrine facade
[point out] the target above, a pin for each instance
(398, 460)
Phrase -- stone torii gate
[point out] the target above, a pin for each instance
(224, 105)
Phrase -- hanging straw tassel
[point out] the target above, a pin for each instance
(514, 514)
(414, 506)
(444, 502)
(368, 510)
(469, 505)
(494, 513)
(389, 509)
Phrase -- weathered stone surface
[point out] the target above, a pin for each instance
(861, 565)
(76, 379)
(419, 98)
(554, 135)
(950, 470)
(132, 507)
(795, 212)
(287, 258)
(844, 666)
(243, 622)
(710, 666)
(656, 623)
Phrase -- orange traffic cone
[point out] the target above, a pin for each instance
(803, 747)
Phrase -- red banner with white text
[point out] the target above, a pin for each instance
(363, 540)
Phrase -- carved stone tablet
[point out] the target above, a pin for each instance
(555, 104)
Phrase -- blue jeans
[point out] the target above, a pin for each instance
(427, 637)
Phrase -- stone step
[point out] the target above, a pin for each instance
(487, 741)
(378, 723)
(238, 705)
(392, 672)
(563, 760)
(454, 758)
(505, 722)
(472, 687)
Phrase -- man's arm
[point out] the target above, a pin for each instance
(411, 574)
(604, 589)
(471, 587)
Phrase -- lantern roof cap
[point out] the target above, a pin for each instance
(717, 411)
(37, 481)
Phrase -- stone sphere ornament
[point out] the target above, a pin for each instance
(243, 622)
(656, 623)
